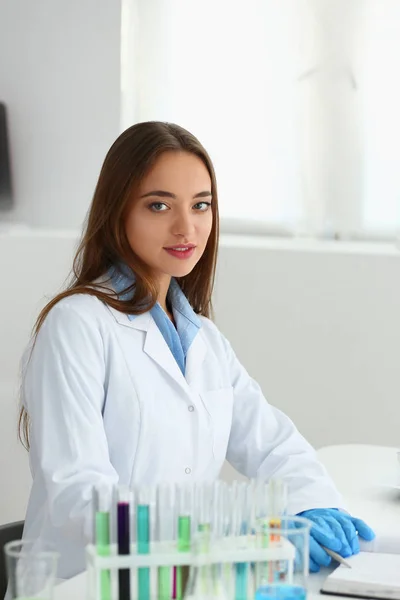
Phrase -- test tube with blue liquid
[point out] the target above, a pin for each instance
(240, 517)
(144, 505)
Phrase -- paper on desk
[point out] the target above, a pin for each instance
(367, 571)
(383, 543)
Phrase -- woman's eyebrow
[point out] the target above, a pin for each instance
(164, 194)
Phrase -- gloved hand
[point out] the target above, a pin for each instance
(337, 531)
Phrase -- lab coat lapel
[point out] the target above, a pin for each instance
(156, 348)
(195, 357)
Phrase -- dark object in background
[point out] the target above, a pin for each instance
(5, 168)
(8, 533)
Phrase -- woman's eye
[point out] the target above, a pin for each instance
(203, 206)
(158, 206)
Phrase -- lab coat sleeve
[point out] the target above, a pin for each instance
(264, 443)
(63, 390)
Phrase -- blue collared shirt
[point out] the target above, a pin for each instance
(178, 338)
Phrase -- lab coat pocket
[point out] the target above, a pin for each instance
(219, 405)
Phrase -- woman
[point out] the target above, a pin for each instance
(129, 381)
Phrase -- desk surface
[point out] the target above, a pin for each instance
(364, 475)
(367, 476)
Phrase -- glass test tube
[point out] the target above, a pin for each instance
(208, 580)
(185, 498)
(144, 500)
(124, 501)
(165, 533)
(102, 507)
(239, 524)
(220, 518)
(204, 511)
(278, 504)
(260, 523)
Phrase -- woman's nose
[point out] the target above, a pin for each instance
(183, 225)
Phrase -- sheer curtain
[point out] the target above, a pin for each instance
(295, 100)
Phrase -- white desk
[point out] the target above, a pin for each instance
(364, 474)
(360, 472)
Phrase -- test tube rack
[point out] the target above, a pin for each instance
(230, 551)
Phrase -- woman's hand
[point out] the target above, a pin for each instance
(337, 531)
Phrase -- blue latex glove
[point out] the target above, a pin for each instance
(337, 531)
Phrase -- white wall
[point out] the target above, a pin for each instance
(60, 81)
(316, 324)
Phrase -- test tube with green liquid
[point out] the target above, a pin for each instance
(185, 498)
(165, 533)
(204, 522)
(102, 506)
(204, 507)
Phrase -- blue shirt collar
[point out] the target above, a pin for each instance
(179, 338)
(122, 277)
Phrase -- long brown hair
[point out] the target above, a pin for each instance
(104, 242)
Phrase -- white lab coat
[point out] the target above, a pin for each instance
(109, 404)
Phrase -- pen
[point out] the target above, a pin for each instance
(337, 557)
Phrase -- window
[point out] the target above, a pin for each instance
(295, 100)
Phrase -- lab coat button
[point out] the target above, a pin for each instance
(190, 408)
(188, 471)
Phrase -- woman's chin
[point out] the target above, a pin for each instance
(181, 270)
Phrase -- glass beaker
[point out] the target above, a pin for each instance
(285, 577)
(31, 569)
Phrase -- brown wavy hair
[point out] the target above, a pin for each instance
(104, 242)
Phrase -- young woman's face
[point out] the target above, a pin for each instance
(170, 219)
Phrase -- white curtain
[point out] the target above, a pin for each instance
(297, 102)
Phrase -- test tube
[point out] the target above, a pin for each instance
(220, 513)
(277, 499)
(165, 533)
(260, 523)
(277, 490)
(102, 506)
(185, 497)
(204, 512)
(144, 500)
(124, 503)
(261, 501)
(239, 524)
